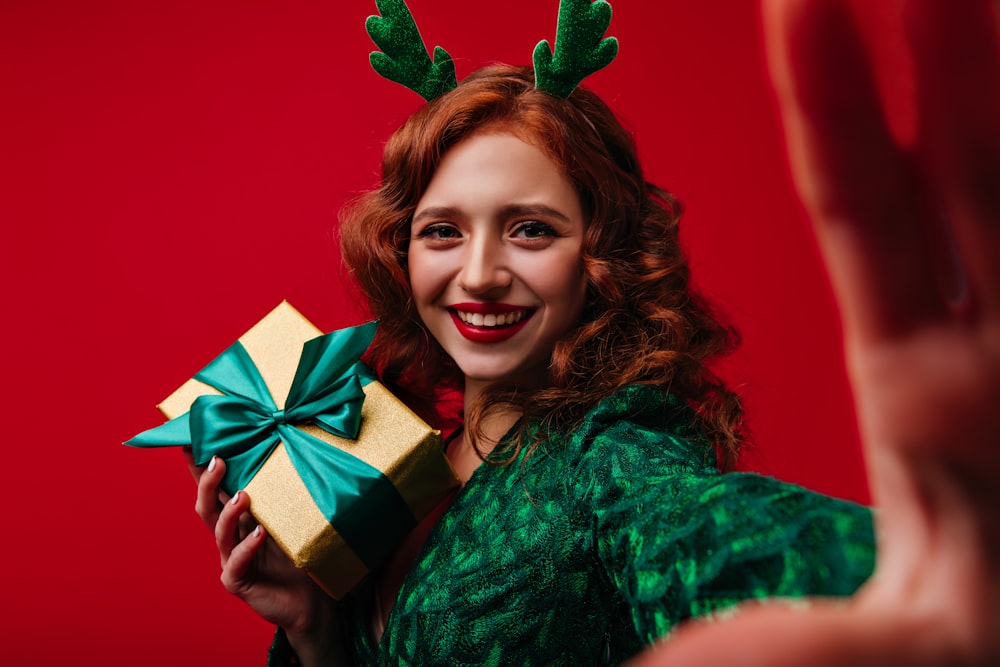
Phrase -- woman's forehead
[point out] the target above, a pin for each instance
(498, 169)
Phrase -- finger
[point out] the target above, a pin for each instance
(823, 635)
(861, 191)
(227, 528)
(247, 524)
(194, 469)
(207, 504)
(957, 57)
(238, 572)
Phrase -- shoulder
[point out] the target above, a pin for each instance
(643, 424)
(639, 449)
(638, 443)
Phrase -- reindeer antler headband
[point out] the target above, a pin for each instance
(580, 49)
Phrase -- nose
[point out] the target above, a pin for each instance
(484, 269)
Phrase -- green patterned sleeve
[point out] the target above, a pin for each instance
(281, 654)
(678, 540)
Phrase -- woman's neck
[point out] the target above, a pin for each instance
(491, 428)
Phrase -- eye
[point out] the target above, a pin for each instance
(533, 229)
(439, 232)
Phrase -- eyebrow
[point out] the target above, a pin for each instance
(508, 211)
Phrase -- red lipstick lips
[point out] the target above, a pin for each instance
(489, 322)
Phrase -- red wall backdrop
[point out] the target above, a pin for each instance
(170, 170)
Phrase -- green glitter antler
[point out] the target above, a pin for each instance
(404, 58)
(579, 51)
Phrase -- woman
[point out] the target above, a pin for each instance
(550, 236)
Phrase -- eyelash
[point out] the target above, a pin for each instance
(535, 226)
(531, 229)
(434, 231)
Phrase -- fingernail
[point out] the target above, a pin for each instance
(256, 531)
(211, 465)
(236, 498)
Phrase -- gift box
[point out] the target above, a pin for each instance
(338, 470)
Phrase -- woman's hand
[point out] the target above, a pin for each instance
(921, 313)
(255, 570)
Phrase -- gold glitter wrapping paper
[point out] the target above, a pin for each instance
(392, 439)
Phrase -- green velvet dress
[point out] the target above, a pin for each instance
(603, 541)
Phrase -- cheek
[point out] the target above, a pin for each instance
(563, 283)
(428, 277)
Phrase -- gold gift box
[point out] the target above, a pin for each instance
(392, 439)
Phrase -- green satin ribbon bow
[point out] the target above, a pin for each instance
(244, 425)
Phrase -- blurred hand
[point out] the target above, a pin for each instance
(911, 239)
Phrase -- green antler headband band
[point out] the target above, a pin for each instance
(580, 49)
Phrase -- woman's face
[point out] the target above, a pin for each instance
(494, 260)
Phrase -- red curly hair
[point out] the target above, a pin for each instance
(642, 321)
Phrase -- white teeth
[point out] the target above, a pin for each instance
(491, 319)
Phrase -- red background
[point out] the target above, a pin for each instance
(170, 170)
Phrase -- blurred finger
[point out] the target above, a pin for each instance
(821, 635)
(863, 193)
(957, 56)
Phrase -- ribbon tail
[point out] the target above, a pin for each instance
(351, 494)
(176, 432)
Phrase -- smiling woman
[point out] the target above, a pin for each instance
(514, 252)
(495, 259)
